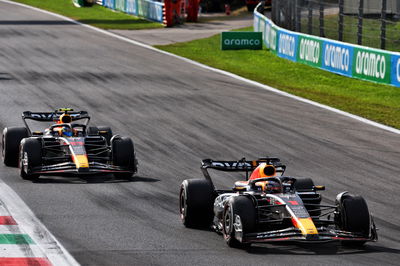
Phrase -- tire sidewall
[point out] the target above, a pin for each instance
(11, 139)
(123, 152)
(196, 202)
(30, 155)
(354, 215)
(243, 207)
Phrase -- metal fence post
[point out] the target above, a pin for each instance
(310, 13)
(291, 15)
(321, 19)
(383, 25)
(340, 22)
(278, 13)
(273, 10)
(298, 16)
(360, 22)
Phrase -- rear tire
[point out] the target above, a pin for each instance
(304, 184)
(307, 185)
(11, 140)
(123, 154)
(30, 153)
(106, 132)
(92, 131)
(196, 203)
(239, 212)
(354, 217)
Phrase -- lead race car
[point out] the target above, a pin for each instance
(67, 147)
(270, 207)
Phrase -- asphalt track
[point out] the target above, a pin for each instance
(178, 114)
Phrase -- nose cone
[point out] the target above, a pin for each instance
(81, 161)
(306, 226)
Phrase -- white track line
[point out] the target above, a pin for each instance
(262, 86)
(32, 226)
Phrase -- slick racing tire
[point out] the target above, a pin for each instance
(354, 217)
(30, 154)
(103, 131)
(92, 131)
(11, 140)
(239, 218)
(304, 184)
(307, 185)
(123, 155)
(196, 203)
(106, 132)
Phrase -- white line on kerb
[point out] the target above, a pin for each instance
(32, 226)
(262, 86)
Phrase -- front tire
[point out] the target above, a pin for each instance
(239, 218)
(123, 155)
(353, 217)
(196, 202)
(11, 140)
(30, 156)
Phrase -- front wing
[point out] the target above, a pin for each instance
(294, 235)
(69, 168)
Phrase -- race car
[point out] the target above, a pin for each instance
(269, 207)
(67, 147)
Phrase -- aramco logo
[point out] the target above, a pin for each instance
(337, 57)
(234, 40)
(371, 64)
(287, 44)
(309, 50)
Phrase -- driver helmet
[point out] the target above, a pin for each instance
(273, 187)
(65, 132)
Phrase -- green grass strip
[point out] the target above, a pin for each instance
(17, 239)
(377, 102)
(96, 15)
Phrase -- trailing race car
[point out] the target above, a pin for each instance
(270, 207)
(67, 147)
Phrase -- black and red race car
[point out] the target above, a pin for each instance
(67, 147)
(269, 207)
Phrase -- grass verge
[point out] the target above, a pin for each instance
(380, 103)
(96, 15)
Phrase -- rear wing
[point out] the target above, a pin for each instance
(241, 165)
(53, 116)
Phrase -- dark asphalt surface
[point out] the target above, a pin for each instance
(177, 115)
